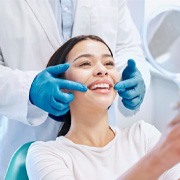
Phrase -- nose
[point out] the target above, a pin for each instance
(100, 70)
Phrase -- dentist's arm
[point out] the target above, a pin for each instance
(129, 46)
(14, 94)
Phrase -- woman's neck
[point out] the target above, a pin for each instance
(90, 127)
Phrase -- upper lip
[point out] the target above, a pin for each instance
(104, 81)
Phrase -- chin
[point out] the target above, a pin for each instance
(97, 101)
(105, 104)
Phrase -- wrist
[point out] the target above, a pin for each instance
(149, 167)
(30, 76)
(152, 165)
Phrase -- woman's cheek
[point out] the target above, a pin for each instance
(117, 76)
(78, 75)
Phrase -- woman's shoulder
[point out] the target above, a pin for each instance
(141, 127)
(141, 133)
(57, 146)
(44, 158)
(137, 128)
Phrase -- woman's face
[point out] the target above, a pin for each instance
(91, 64)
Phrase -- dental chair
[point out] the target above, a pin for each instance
(17, 166)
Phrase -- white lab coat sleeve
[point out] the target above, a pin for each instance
(14, 96)
(128, 46)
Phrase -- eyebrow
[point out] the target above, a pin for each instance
(90, 56)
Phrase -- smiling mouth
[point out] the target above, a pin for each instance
(100, 86)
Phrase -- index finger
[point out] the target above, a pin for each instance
(176, 120)
(72, 85)
(126, 84)
(58, 69)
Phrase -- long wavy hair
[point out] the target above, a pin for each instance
(59, 57)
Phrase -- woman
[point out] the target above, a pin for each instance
(88, 148)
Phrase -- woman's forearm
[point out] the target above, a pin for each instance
(161, 158)
(149, 167)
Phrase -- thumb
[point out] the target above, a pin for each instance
(58, 69)
(131, 65)
(129, 70)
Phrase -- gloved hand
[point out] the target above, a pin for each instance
(131, 88)
(45, 91)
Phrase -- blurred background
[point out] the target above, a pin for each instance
(163, 91)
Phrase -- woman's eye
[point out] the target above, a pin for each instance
(85, 64)
(110, 63)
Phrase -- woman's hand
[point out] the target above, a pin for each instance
(161, 158)
(168, 148)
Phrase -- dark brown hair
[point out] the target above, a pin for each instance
(59, 57)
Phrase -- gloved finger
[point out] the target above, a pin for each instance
(132, 108)
(58, 105)
(63, 97)
(126, 84)
(58, 69)
(71, 85)
(129, 106)
(60, 113)
(132, 102)
(56, 112)
(130, 70)
(129, 93)
(131, 65)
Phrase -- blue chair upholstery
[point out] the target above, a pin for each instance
(17, 166)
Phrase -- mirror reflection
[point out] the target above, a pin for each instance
(163, 39)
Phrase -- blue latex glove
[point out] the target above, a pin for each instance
(45, 91)
(132, 88)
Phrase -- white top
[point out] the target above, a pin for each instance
(65, 160)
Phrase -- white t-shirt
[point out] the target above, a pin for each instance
(65, 160)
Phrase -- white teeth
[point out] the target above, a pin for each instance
(102, 86)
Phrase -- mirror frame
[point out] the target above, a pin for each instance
(149, 57)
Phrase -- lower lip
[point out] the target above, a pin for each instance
(102, 91)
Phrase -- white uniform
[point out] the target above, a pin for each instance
(29, 35)
(65, 160)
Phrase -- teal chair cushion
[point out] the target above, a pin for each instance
(17, 166)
